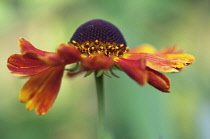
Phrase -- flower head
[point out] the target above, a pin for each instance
(96, 46)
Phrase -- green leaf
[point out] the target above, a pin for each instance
(107, 73)
(99, 73)
(75, 67)
(88, 73)
(111, 71)
(116, 67)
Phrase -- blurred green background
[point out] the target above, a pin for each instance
(132, 111)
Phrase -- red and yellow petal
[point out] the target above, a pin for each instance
(20, 65)
(165, 63)
(136, 69)
(158, 80)
(164, 60)
(185, 58)
(41, 90)
(97, 62)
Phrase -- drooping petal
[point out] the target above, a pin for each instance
(97, 62)
(23, 66)
(41, 90)
(158, 80)
(144, 48)
(136, 69)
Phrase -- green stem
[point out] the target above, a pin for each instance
(100, 97)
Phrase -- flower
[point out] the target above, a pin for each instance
(96, 46)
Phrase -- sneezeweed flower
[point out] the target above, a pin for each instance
(96, 46)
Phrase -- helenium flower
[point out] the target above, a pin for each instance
(96, 46)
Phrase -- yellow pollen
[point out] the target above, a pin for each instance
(101, 47)
(97, 47)
(93, 48)
(96, 41)
(74, 42)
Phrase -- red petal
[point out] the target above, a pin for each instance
(159, 80)
(20, 65)
(30, 52)
(41, 90)
(136, 69)
(97, 62)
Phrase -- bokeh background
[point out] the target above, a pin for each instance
(132, 111)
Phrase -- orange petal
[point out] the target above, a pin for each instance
(41, 90)
(20, 65)
(144, 48)
(159, 80)
(135, 69)
(97, 62)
